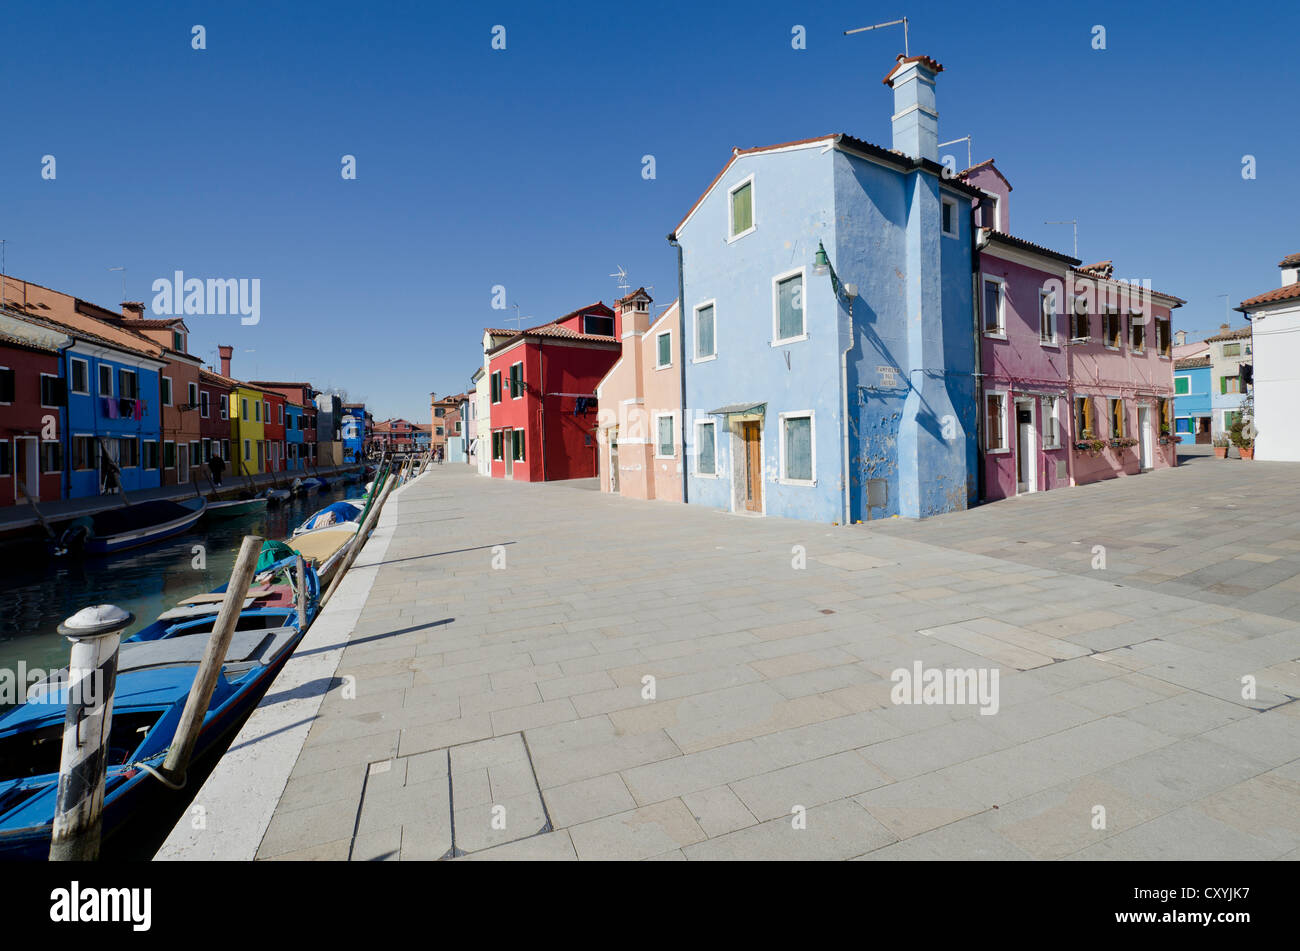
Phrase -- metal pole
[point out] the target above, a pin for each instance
(359, 540)
(205, 679)
(95, 634)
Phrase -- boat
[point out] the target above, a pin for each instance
(314, 484)
(236, 508)
(153, 682)
(275, 496)
(348, 510)
(325, 548)
(130, 526)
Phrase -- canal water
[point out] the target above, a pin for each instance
(37, 591)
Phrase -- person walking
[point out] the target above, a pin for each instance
(216, 465)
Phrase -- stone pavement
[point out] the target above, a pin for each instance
(546, 672)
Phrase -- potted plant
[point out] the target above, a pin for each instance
(1242, 432)
(1221, 447)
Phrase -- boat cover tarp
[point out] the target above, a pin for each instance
(272, 551)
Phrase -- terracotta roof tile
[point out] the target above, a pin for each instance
(1289, 292)
(1291, 260)
(930, 64)
(1009, 239)
(1192, 363)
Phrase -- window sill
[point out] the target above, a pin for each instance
(748, 231)
(805, 483)
(788, 340)
(708, 359)
(995, 334)
(1049, 344)
(663, 366)
(708, 475)
(997, 452)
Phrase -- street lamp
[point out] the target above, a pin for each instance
(822, 265)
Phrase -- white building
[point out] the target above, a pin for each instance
(1275, 324)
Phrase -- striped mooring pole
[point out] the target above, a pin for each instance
(95, 633)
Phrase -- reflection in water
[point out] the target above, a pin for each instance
(38, 591)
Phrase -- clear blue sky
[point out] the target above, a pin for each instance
(523, 167)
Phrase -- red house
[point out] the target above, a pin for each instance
(275, 432)
(300, 394)
(542, 385)
(214, 415)
(32, 397)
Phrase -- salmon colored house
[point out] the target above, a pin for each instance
(641, 445)
(543, 395)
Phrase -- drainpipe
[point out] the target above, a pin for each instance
(981, 240)
(844, 417)
(681, 359)
(541, 389)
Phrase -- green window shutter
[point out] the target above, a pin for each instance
(665, 349)
(1223, 384)
(705, 451)
(742, 209)
(704, 332)
(790, 305)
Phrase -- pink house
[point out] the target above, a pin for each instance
(640, 427)
(1065, 401)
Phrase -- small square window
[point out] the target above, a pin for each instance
(664, 350)
(948, 211)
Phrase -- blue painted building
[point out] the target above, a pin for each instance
(354, 425)
(113, 410)
(1193, 407)
(295, 456)
(835, 386)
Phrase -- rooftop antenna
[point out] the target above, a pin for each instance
(966, 139)
(621, 283)
(1226, 313)
(1071, 221)
(517, 318)
(123, 270)
(902, 20)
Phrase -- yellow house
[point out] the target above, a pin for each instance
(247, 430)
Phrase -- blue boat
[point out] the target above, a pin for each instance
(153, 682)
(348, 510)
(156, 669)
(130, 526)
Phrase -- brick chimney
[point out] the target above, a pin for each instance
(226, 351)
(916, 118)
(133, 309)
(1224, 328)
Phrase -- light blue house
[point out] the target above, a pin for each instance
(1229, 349)
(1192, 403)
(829, 346)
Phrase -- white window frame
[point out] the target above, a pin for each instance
(281, 405)
(45, 405)
(753, 209)
(802, 273)
(696, 358)
(1106, 315)
(1004, 395)
(99, 383)
(73, 389)
(1075, 316)
(520, 364)
(672, 417)
(659, 336)
(1050, 409)
(162, 463)
(1001, 332)
(700, 424)
(168, 398)
(1054, 341)
(947, 201)
(205, 404)
(812, 447)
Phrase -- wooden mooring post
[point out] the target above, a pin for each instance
(301, 567)
(205, 679)
(96, 634)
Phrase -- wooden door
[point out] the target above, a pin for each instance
(752, 435)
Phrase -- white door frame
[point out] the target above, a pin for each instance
(1146, 455)
(1031, 448)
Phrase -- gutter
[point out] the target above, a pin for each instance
(681, 358)
(844, 417)
(978, 243)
